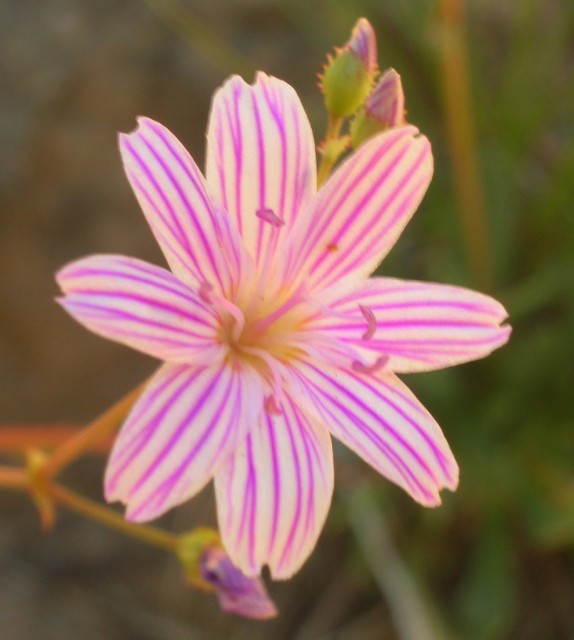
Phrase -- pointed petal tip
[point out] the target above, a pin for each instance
(262, 78)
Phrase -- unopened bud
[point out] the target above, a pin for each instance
(383, 109)
(236, 592)
(208, 567)
(349, 75)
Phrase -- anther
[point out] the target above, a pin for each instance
(379, 363)
(371, 322)
(268, 215)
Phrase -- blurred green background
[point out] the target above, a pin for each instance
(496, 561)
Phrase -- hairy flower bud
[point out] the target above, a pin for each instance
(349, 75)
(384, 109)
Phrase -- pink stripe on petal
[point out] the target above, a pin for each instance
(273, 496)
(420, 326)
(183, 428)
(173, 195)
(381, 420)
(357, 216)
(260, 158)
(139, 305)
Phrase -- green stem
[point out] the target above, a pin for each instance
(328, 160)
(111, 519)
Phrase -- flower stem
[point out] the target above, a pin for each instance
(40, 487)
(85, 438)
(328, 159)
(462, 141)
(15, 438)
(13, 478)
(111, 519)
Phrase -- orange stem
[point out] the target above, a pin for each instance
(13, 478)
(16, 438)
(86, 438)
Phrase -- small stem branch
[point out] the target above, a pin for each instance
(45, 491)
(84, 439)
(13, 478)
(328, 160)
(462, 141)
(111, 519)
(15, 438)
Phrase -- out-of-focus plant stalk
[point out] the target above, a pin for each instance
(462, 142)
(392, 576)
(214, 50)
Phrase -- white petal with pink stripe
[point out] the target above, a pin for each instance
(359, 213)
(274, 494)
(260, 159)
(185, 425)
(419, 326)
(142, 306)
(380, 419)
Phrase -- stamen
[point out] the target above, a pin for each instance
(274, 367)
(268, 215)
(360, 367)
(371, 322)
(271, 406)
(236, 313)
(207, 295)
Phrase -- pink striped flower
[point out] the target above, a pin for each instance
(272, 335)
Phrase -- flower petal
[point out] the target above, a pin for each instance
(380, 419)
(274, 494)
(140, 305)
(185, 425)
(360, 212)
(419, 326)
(194, 236)
(260, 159)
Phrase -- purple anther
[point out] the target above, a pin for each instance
(371, 322)
(379, 363)
(267, 215)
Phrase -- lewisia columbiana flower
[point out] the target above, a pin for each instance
(272, 335)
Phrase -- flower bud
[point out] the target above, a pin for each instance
(208, 567)
(236, 592)
(384, 109)
(349, 75)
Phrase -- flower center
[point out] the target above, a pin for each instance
(269, 327)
